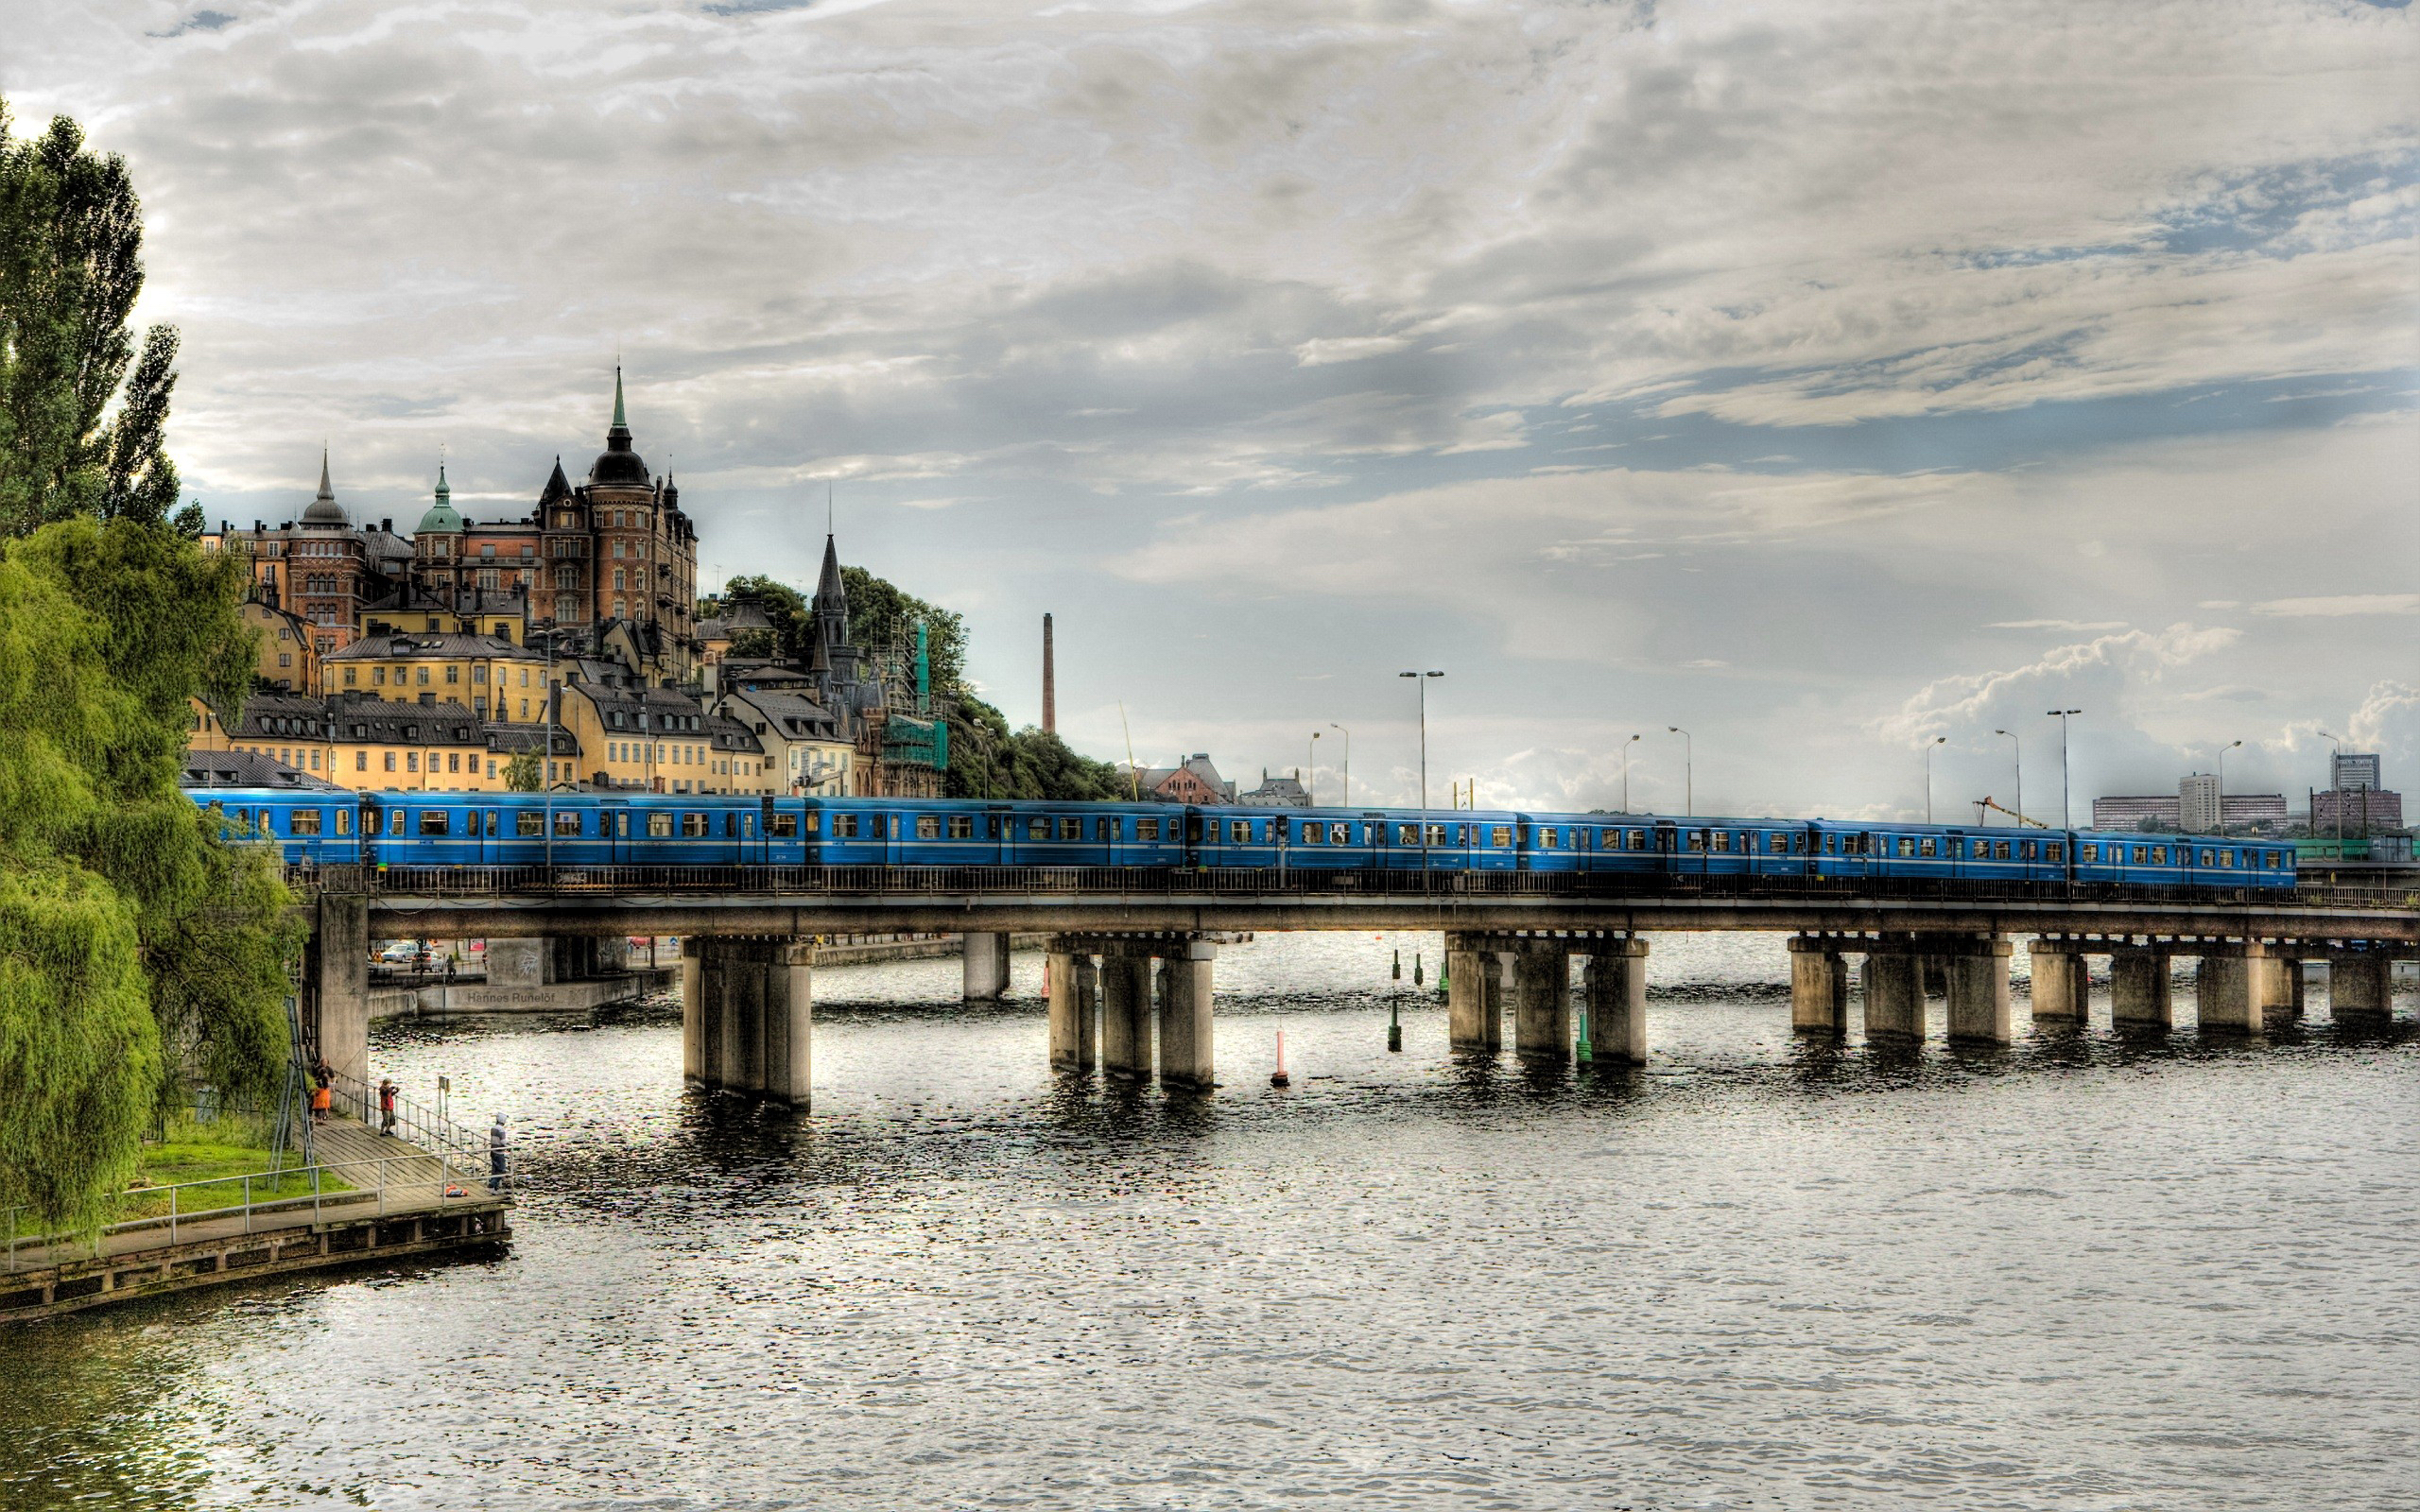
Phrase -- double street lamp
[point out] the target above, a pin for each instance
(2066, 818)
(1689, 771)
(2219, 820)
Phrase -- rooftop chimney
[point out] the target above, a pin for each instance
(1049, 682)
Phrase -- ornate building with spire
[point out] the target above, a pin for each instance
(609, 561)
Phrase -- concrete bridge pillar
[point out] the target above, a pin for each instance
(2232, 991)
(1186, 971)
(520, 962)
(2360, 984)
(1819, 986)
(1542, 1001)
(987, 966)
(1894, 997)
(336, 983)
(2061, 980)
(2138, 985)
(1616, 988)
(746, 1017)
(1126, 1011)
(1474, 995)
(1075, 997)
(1975, 976)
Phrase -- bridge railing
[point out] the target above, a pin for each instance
(414, 1122)
(864, 880)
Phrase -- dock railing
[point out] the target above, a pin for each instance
(415, 1123)
(389, 1185)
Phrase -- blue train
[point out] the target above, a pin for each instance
(590, 830)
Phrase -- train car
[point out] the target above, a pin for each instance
(309, 827)
(1247, 838)
(1617, 844)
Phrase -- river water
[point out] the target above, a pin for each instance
(2085, 1272)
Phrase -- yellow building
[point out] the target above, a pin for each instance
(374, 744)
(655, 740)
(490, 677)
(288, 659)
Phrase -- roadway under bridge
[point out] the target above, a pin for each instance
(1132, 956)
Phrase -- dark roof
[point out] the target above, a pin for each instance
(510, 740)
(281, 716)
(786, 715)
(397, 645)
(730, 735)
(405, 724)
(666, 709)
(558, 486)
(617, 463)
(244, 768)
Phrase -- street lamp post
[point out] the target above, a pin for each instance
(2020, 771)
(1419, 680)
(1626, 746)
(2066, 786)
(1311, 775)
(1937, 741)
(2221, 818)
(1689, 771)
(1346, 781)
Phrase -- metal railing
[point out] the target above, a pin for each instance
(598, 881)
(391, 1189)
(415, 1123)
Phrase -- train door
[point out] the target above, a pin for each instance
(491, 831)
(1670, 858)
(621, 846)
(1194, 823)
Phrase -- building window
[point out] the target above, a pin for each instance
(424, 676)
(453, 673)
(377, 676)
(390, 760)
(361, 762)
(412, 761)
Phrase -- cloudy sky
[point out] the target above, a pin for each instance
(1820, 378)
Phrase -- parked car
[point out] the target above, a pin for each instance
(401, 953)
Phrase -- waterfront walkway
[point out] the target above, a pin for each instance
(368, 1195)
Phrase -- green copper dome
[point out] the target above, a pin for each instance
(441, 520)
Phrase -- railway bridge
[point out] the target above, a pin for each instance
(1132, 952)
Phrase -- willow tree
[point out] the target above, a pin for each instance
(139, 950)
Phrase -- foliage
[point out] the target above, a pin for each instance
(521, 774)
(782, 604)
(988, 759)
(71, 236)
(137, 946)
(882, 615)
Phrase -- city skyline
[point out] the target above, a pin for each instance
(1962, 399)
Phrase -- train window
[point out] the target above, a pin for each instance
(2054, 850)
(1436, 836)
(2226, 860)
(928, 827)
(1547, 838)
(304, 822)
(2207, 858)
(1722, 840)
(1928, 845)
(659, 826)
(1697, 839)
(1500, 836)
(344, 822)
(877, 826)
(1777, 843)
(844, 826)
(432, 821)
(1314, 833)
(1071, 829)
(529, 822)
(2025, 850)
(1906, 846)
(1340, 834)
(1406, 834)
(784, 826)
(1147, 829)
(395, 821)
(1238, 831)
(814, 821)
(961, 826)
(1638, 839)
(1999, 850)
(2142, 855)
(1037, 829)
(693, 826)
(567, 824)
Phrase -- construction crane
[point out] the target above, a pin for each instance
(1986, 802)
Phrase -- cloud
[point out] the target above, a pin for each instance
(2073, 627)
(2334, 606)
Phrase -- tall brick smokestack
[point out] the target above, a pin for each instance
(1049, 682)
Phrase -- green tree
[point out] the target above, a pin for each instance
(521, 772)
(881, 614)
(79, 433)
(779, 602)
(139, 949)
